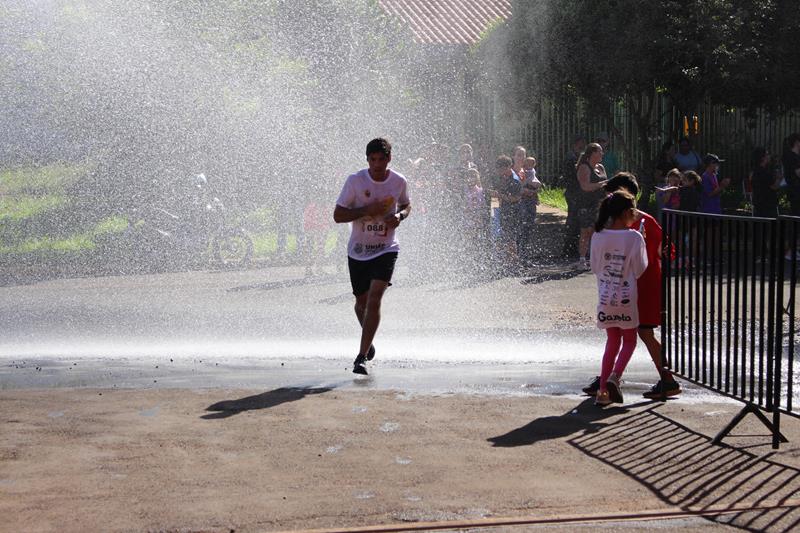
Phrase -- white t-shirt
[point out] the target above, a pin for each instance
(371, 236)
(618, 258)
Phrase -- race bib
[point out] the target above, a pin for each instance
(376, 227)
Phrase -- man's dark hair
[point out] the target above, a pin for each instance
(791, 139)
(503, 161)
(623, 180)
(379, 145)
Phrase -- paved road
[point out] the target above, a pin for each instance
(275, 327)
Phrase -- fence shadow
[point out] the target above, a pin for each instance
(684, 469)
(585, 417)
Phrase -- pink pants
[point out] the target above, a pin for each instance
(615, 359)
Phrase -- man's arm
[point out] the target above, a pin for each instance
(344, 214)
(402, 213)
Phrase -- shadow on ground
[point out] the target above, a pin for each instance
(684, 469)
(265, 400)
(585, 417)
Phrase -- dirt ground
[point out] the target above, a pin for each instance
(243, 460)
(124, 445)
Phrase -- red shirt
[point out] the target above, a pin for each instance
(649, 284)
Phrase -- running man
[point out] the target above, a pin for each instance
(376, 201)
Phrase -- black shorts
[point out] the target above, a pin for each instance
(363, 272)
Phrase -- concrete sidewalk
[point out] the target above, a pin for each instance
(255, 460)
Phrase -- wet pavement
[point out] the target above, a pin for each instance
(274, 327)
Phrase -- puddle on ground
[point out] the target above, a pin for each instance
(390, 427)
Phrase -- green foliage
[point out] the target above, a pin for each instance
(735, 54)
(264, 244)
(74, 243)
(554, 197)
(21, 207)
(114, 224)
(52, 178)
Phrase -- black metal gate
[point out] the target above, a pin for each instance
(728, 309)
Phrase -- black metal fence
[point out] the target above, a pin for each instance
(728, 314)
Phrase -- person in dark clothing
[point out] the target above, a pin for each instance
(572, 194)
(791, 171)
(508, 190)
(691, 191)
(766, 183)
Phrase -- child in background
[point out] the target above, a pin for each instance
(530, 182)
(712, 186)
(690, 191)
(528, 203)
(618, 259)
(668, 197)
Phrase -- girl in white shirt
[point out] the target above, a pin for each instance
(618, 258)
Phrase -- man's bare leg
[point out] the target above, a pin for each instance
(371, 316)
(361, 307)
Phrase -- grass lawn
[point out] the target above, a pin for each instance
(553, 197)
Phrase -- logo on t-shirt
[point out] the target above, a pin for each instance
(367, 193)
(602, 317)
(358, 248)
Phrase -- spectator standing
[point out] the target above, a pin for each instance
(791, 171)
(668, 196)
(572, 194)
(610, 159)
(666, 162)
(475, 211)
(713, 187)
(591, 178)
(691, 191)
(619, 257)
(508, 190)
(528, 206)
(686, 158)
(766, 183)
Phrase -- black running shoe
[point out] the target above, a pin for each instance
(614, 391)
(593, 387)
(360, 365)
(663, 388)
(371, 352)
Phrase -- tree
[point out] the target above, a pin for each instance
(626, 52)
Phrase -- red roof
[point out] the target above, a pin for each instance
(447, 21)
